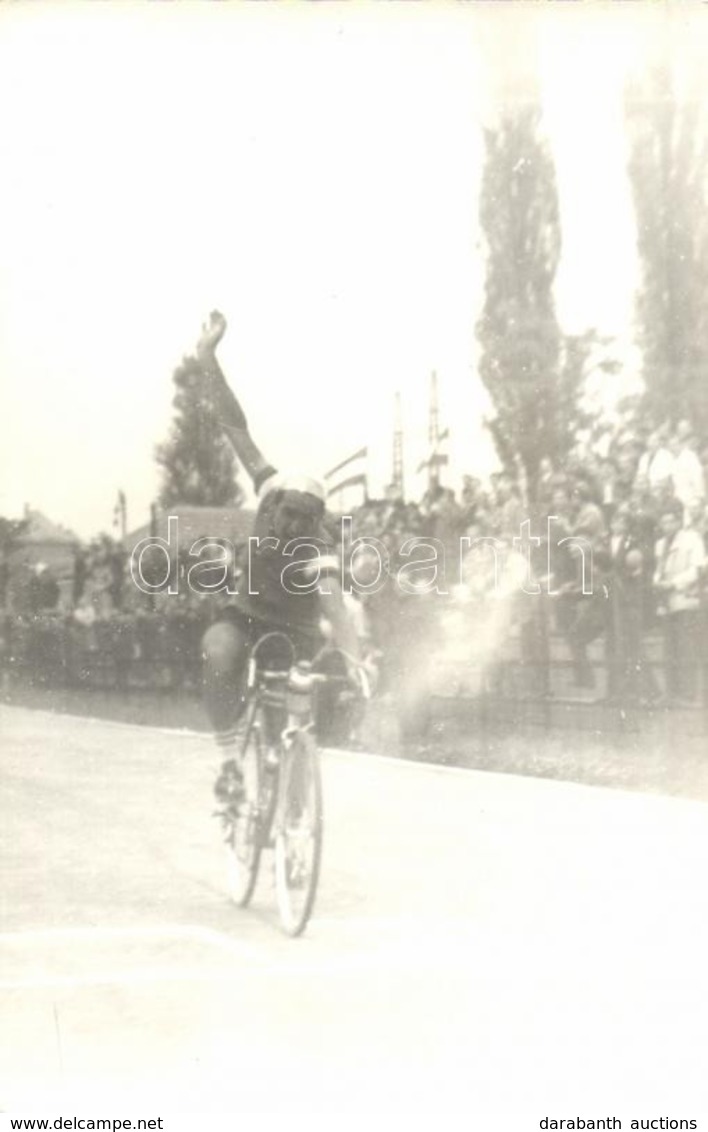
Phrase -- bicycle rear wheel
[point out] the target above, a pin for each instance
(244, 840)
(298, 833)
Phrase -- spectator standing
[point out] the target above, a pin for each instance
(629, 677)
(510, 511)
(606, 479)
(643, 509)
(657, 462)
(588, 520)
(627, 464)
(579, 615)
(689, 482)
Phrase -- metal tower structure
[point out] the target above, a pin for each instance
(433, 432)
(436, 459)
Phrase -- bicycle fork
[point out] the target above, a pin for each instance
(291, 784)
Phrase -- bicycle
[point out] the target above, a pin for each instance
(281, 805)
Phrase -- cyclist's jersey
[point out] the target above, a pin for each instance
(281, 586)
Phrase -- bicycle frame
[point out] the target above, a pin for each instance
(298, 709)
(283, 785)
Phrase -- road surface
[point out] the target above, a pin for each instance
(479, 941)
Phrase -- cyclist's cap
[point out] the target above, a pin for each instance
(295, 486)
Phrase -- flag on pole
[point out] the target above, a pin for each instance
(436, 459)
(354, 469)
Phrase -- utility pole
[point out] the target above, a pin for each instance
(398, 477)
(120, 516)
(436, 459)
(123, 508)
(153, 534)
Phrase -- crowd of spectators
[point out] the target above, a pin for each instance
(634, 497)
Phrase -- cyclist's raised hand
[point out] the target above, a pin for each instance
(213, 331)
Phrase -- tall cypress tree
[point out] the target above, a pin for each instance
(197, 462)
(533, 379)
(668, 168)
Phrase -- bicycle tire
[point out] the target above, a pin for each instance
(299, 819)
(244, 839)
(269, 798)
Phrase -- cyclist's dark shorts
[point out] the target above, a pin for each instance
(332, 718)
(306, 644)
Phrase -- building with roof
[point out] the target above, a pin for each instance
(222, 524)
(44, 548)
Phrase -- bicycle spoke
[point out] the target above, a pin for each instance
(243, 841)
(299, 835)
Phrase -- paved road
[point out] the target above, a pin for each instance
(480, 940)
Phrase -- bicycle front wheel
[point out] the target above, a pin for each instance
(298, 834)
(244, 839)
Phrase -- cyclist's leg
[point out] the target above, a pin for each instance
(225, 650)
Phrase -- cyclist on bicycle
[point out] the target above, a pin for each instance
(292, 542)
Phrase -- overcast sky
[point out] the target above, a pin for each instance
(313, 171)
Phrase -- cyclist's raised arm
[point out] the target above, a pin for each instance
(231, 416)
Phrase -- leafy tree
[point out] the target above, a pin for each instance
(668, 168)
(590, 366)
(10, 531)
(534, 376)
(198, 464)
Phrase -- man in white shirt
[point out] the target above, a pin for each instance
(689, 481)
(680, 559)
(657, 463)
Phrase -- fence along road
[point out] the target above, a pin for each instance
(479, 940)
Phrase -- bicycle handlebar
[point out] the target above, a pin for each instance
(354, 663)
(306, 678)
